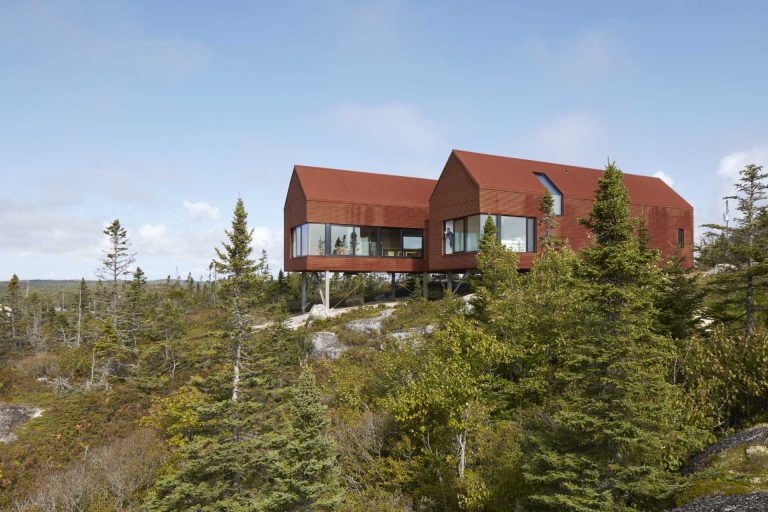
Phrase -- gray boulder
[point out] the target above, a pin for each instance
(754, 436)
(12, 416)
(319, 312)
(326, 345)
(369, 325)
(753, 502)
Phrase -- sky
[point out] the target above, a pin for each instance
(162, 114)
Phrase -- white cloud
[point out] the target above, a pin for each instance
(577, 138)
(201, 210)
(666, 178)
(731, 165)
(728, 174)
(586, 56)
(392, 124)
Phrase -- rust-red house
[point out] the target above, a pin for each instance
(351, 221)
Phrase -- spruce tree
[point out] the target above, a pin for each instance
(13, 299)
(497, 272)
(739, 256)
(116, 262)
(306, 473)
(611, 431)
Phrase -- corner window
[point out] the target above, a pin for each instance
(557, 196)
(518, 234)
(342, 240)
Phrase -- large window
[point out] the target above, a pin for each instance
(341, 240)
(463, 235)
(557, 196)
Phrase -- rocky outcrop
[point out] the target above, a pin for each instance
(369, 325)
(318, 312)
(750, 437)
(753, 502)
(412, 335)
(13, 416)
(326, 345)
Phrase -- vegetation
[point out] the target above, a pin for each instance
(581, 385)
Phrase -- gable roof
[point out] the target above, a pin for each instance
(339, 186)
(518, 175)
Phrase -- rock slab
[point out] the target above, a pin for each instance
(753, 502)
(13, 416)
(326, 345)
(369, 325)
(750, 437)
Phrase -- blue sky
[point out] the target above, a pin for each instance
(162, 113)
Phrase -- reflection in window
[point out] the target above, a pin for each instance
(474, 232)
(463, 235)
(317, 239)
(369, 241)
(513, 233)
(413, 243)
(390, 242)
(557, 196)
(339, 240)
(343, 240)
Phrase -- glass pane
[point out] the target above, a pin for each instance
(304, 239)
(341, 240)
(368, 241)
(473, 233)
(295, 241)
(413, 243)
(531, 243)
(448, 237)
(458, 233)
(317, 239)
(390, 242)
(514, 233)
(557, 196)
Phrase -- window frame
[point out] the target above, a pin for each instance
(297, 241)
(530, 232)
(681, 238)
(549, 185)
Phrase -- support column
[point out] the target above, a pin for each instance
(425, 284)
(327, 298)
(303, 285)
(393, 288)
(449, 281)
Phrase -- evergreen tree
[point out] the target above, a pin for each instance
(115, 264)
(739, 255)
(547, 221)
(497, 267)
(82, 311)
(13, 299)
(307, 475)
(612, 428)
(135, 303)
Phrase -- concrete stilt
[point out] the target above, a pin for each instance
(327, 298)
(449, 281)
(393, 288)
(425, 284)
(304, 286)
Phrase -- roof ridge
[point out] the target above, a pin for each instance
(314, 167)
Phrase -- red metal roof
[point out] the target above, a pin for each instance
(517, 174)
(335, 185)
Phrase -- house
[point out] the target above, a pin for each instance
(349, 221)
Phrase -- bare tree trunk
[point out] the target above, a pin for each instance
(461, 442)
